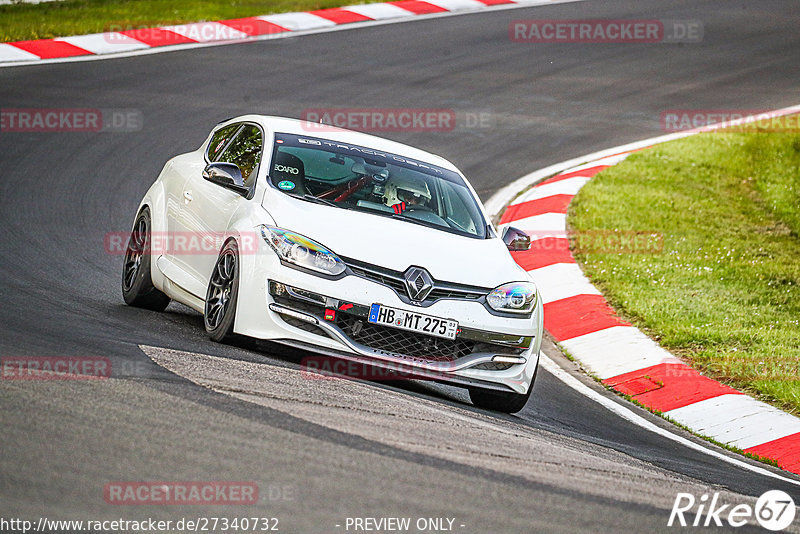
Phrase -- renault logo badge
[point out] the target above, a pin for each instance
(418, 283)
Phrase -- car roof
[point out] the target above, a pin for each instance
(341, 135)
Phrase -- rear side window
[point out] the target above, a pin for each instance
(219, 140)
(245, 151)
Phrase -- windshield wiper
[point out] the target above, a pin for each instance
(317, 200)
(414, 220)
(427, 224)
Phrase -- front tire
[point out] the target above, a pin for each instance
(501, 401)
(137, 283)
(223, 294)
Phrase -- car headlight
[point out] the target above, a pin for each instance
(301, 251)
(515, 297)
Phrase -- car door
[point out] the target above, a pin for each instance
(178, 194)
(208, 206)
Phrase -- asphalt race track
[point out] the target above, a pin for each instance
(324, 450)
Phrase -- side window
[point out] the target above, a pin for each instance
(245, 151)
(458, 211)
(219, 140)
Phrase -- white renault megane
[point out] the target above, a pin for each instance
(344, 244)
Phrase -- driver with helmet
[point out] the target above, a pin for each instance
(403, 193)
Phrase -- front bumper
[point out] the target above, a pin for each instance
(502, 355)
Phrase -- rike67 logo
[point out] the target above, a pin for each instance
(774, 511)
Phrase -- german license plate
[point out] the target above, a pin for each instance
(412, 321)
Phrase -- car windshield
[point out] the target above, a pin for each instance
(389, 185)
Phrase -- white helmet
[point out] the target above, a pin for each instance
(399, 189)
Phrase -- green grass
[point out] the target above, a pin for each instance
(76, 17)
(724, 292)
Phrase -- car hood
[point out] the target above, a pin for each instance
(396, 244)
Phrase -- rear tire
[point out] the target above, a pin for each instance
(137, 283)
(501, 401)
(222, 295)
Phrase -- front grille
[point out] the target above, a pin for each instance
(402, 342)
(445, 293)
(493, 366)
(303, 325)
(382, 278)
(396, 281)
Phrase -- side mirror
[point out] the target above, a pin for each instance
(516, 239)
(227, 175)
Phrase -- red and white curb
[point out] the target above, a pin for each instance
(581, 321)
(150, 40)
